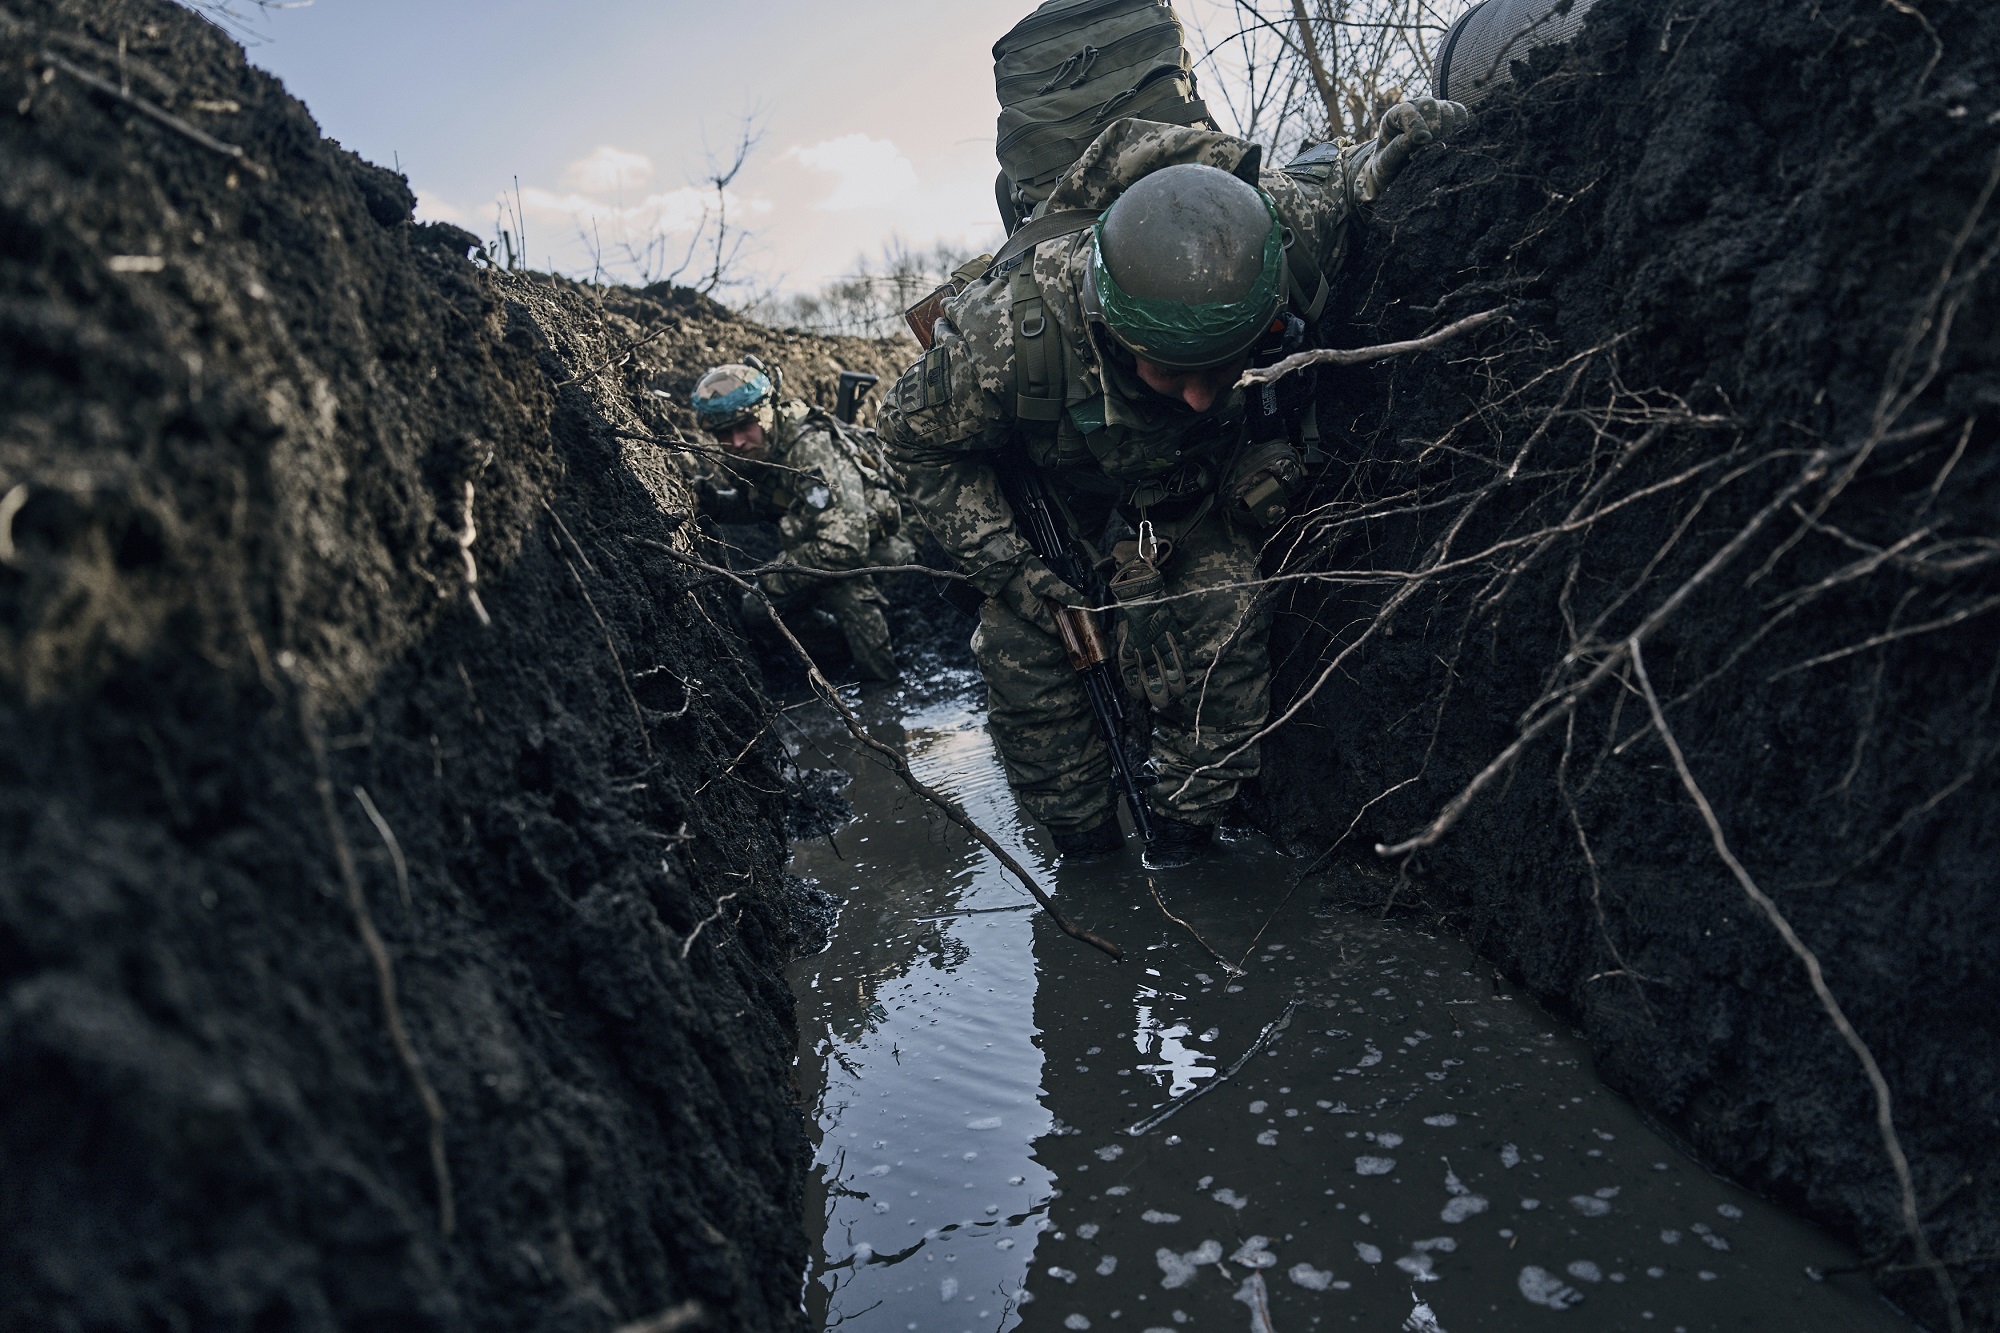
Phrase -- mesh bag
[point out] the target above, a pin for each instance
(1479, 51)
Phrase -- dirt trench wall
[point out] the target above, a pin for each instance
(340, 598)
(1727, 237)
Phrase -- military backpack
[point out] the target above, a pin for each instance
(1069, 69)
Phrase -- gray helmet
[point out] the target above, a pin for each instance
(1188, 267)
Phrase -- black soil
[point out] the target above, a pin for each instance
(253, 422)
(1727, 236)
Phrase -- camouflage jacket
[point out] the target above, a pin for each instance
(810, 485)
(956, 403)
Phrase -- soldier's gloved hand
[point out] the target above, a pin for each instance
(1149, 656)
(1033, 587)
(779, 584)
(1260, 487)
(1406, 127)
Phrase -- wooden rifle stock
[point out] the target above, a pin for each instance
(1082, 636)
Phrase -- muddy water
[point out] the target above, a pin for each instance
(1364, 1128)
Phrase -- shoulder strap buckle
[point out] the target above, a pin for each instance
(1038, 388)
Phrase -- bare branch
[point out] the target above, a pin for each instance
(1355, 356)
(1315, 62)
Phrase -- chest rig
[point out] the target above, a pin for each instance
(1174, 481)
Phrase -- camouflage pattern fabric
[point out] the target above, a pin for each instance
(1041, 720)
(955, 406)
(827, 519)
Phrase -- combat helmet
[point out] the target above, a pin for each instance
(736, 394)
(1187, 267)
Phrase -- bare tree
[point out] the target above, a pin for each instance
(869, 301)
(1314, 69)
(725, 246)
(642, 247)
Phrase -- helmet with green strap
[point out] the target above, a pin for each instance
(1187, 267)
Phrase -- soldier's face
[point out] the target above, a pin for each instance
(745, 441)
(1199, 389)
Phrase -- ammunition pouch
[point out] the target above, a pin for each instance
(885, 515)
(1262, 485)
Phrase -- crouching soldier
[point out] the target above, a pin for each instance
(789, 462)
(1099, 354)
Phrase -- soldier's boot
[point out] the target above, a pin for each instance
(1176, 842)
(867, 631)
(1089, 844)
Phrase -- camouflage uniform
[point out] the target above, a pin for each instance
(1116, 444)
(830, 515)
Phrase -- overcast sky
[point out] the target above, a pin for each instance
(877, 116)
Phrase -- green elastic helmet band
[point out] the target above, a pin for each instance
(1190, 335)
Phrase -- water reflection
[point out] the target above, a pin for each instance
(921, 1057)
(1359, 1128)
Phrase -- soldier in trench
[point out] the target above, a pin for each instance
(1106, 359)
(791, 463)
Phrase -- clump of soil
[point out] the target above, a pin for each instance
(1729, 241)
(347, 644)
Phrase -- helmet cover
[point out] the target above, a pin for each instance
(734, 395)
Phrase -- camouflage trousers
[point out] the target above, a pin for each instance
(857, 604)
(1041, 718)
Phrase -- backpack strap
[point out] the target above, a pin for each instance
(1038, 382)
(1062, 222)
(1308, 284)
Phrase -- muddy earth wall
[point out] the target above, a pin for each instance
(1745, 403)
(391, 908)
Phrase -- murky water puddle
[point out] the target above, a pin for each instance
(1363, 1129)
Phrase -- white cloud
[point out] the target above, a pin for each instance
(594, 194)
(609, 171)
(433, 208)
(680, 210)
(869, 172)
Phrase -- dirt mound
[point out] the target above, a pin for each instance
(391, 908)
(1746, 408)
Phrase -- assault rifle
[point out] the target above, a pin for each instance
(1082, 630)
(854, 386)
